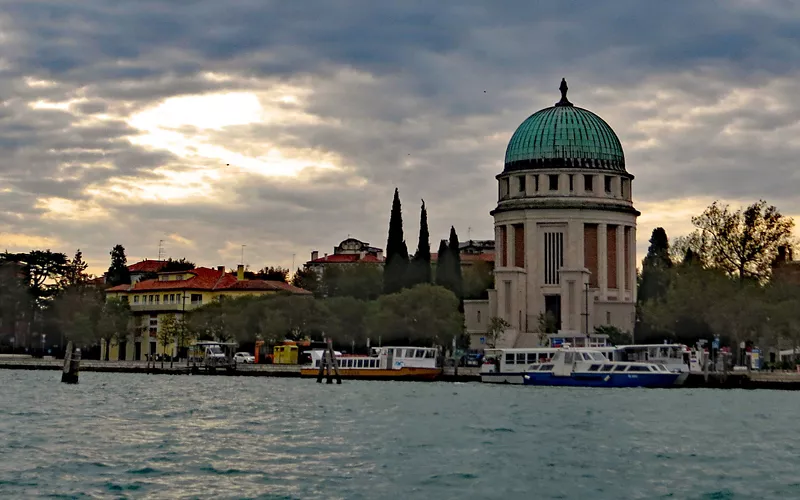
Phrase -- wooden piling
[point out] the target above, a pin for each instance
(72, 362)
(332, 356)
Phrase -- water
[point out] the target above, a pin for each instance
(135, 436)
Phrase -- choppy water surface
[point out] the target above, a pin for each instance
(136, 436)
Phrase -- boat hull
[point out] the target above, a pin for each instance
(649, 380)
(502, 378)
(405, 373)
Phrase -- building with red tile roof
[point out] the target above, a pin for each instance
(349, 251)
(175, 293)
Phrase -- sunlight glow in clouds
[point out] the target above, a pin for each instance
(182, 125)
(64, 209)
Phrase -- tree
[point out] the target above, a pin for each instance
(348, 325)
(396, 266)
(478, 280)
(497, 328)
(546, 323)
(114, 322)
(177, 265)
(448, 267)
(41, 272)
(307, 279)
(77, 313)
(423, 315)
(360, 281)
(743, 243)
(273, 274)
(420, 268)
(655, 266)
(75, 272)
(15, 302)
(182, 337)
(615, 335)
(118, 273)
(167, 331)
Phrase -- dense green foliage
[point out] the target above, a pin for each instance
(422, 315)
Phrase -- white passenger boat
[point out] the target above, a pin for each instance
(507, 366)
(572, 367)
(673, 356)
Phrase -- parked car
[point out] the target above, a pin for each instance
(244, 357)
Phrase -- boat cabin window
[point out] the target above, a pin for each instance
(598, 356)
(419, 354)
(608, 368)
(520, 358)
(532, 357)
(544, 356)
(619, 368)
(638, 369)
(594, 368)
(545, 368)
(568, 357)
(509, 359)
(429, 354)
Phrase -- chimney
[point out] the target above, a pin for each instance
(221, 269)
(240, 272)
(314, 255)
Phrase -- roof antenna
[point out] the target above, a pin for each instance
(563, 88)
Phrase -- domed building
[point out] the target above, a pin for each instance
(565, 228)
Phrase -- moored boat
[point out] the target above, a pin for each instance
(383, 363)
(590, 368)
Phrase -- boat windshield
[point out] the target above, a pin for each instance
(598, 356)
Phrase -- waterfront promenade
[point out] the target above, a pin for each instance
(465, 374)
(784, 380)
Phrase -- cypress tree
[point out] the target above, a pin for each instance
(443, 268)
(118, 273)
(396, 266)
(455, 264)
(655, 276)
(420, 270)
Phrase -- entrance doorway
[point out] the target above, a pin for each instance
(552, 307)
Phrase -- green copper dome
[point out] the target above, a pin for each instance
(564, 136)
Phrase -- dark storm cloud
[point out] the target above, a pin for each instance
(398, 93)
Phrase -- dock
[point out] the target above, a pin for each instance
(783, 380)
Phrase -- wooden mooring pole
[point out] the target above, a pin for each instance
(327, 362)
(72, 363)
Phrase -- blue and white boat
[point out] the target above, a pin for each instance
(589, 368)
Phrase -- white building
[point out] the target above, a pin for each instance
(565, 230)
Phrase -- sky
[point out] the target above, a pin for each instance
(285, 126)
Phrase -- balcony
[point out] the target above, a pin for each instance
(164, 307)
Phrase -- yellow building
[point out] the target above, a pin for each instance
(175, 293)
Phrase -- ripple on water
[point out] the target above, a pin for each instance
(120, 435)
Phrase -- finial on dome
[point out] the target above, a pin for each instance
(563, 88)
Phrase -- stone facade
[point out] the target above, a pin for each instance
(565, 230)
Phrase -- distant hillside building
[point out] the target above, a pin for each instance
(349, 251)
(565, 230)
